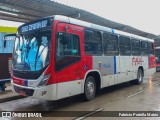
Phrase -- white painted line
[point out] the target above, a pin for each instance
(156, 83)
(89, 114)
(135, 94)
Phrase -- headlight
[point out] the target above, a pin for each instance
(44, 81)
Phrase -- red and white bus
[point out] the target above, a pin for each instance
(58, 57)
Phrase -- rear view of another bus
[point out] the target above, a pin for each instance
(6, 48)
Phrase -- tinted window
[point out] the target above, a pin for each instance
(93, 42)
(110, 44)
(144, 48)
(144, 45)
(67, 50)
(150, 47)
(124, 45)
(136, 47)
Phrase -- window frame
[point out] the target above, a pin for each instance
(125, 45)
(144, 48)
(71, 62)
(151, 48)
(135, 47)
(101, 41)
(112, 43)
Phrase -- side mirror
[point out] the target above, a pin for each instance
(9, 37)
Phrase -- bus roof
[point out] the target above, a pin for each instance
(95, 26)
(91, 25)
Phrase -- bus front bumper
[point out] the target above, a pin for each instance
(46, 92)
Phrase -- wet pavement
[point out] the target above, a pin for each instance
(123, 97)
(8, 95)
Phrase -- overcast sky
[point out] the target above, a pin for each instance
(141, 14)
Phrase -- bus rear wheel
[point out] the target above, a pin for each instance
(139, 79)
(89, 88)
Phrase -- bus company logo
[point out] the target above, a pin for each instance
(137, 61)
(85, 67)
(101, 65)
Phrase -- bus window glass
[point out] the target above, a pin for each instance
(93, 42)
(136, 47)
(150, 47)
(110, 44)
(32, 51)
(67, 50)
(124, 45)
(144, 48)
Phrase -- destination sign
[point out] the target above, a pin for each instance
(34, 26)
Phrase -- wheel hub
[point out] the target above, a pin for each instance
(90, 88)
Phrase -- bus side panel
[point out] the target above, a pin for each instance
(151, 66)
(70, 78)
(106, 66)
(125, 69)
(152, 61)
(138, 61)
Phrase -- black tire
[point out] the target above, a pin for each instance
(139, 79)
(89, 88)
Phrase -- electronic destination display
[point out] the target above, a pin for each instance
(35, 25)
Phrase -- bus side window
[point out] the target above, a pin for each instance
(110, 44)
(150, 47)
(67, 50)
(93, 42)
(144, 48)
(136, 47)
(124, 45)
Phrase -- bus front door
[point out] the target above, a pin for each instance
(69, 60)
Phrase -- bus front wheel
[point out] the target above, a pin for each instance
(89, 88)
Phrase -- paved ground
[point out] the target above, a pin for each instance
(8, 95)
(123, 97)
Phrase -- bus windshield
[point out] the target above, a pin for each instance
(32, 51)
